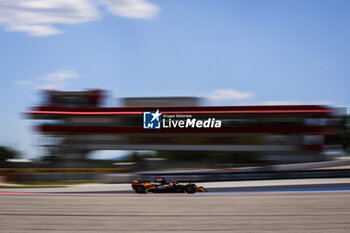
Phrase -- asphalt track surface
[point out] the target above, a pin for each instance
(277, 188)
(212, 190)
(277, 208)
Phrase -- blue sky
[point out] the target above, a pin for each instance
(231, 52)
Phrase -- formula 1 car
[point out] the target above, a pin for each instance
(163, 186)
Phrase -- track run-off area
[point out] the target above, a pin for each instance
(282, 206)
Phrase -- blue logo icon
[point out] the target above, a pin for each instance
(151, 120)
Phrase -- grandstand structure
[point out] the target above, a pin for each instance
(78, 123)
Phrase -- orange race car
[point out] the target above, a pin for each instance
(163, 186)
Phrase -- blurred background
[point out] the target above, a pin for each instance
(76, 76)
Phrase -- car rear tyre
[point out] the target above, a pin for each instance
(140, 189)
(190, 188)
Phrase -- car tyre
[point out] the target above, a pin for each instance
(190, 188)
(140, 189)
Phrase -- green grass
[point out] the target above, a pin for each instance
(57, 182)
(31, 186)
(47, 184)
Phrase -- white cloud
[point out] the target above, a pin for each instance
(229, 94)
(277, 102)
(41, 17)
(60, 79)
(296, 102)
(35, 30)
(23, 82)
(131, 8)
(36, 17)
(247, 98)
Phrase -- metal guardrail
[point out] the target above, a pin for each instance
(241, 176)
(121, 175)
(7, 171)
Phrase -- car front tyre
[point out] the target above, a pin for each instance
(190, 188)
(140, 189)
